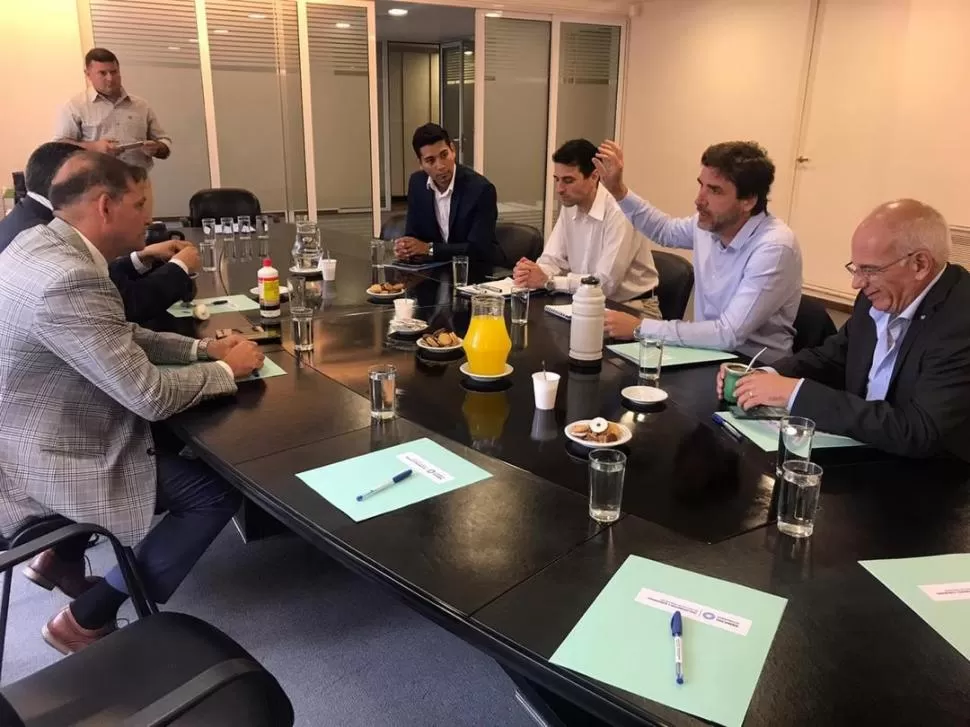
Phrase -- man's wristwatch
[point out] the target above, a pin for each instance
(202, 351)
(430, 249)
(550, 285)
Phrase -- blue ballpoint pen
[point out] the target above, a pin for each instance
(677, 631)
(390, 483)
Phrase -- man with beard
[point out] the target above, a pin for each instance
(748, 267)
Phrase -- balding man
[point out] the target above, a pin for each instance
(897, 376)
(78, 387)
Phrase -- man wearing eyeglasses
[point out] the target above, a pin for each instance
(897, 376)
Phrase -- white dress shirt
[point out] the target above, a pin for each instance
(601, 242)
(442, 205)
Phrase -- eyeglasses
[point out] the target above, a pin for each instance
(867, 271)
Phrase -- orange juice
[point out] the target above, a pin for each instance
(487, 345)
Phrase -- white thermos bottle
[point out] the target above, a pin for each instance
(586, 327)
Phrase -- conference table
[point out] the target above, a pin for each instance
(511, 563)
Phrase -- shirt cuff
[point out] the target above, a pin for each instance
(561, 283)
(228, 369)
(140, 267)
(791, 399)
(185, 268)
(194, 353)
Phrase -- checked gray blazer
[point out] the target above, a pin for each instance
(78, 386)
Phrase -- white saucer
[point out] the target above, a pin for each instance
(625, 435)
(408, 326)
(306, 272)
(483, 377)
(438, 349)
(284, 291)
(644, 394)
(384, 296)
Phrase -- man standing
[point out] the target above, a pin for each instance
(78, 387)
(150, 280)
(591, 237)
(748, 267)
(897, 376)
(451, 209)
(107, 119)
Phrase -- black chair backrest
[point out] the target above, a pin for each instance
(19, 186)
(676, 283)
(812, 324)
(9, 716)
(393, 227)
(516, 241)
(223, 202)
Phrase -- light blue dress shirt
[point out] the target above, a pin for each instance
(746, 295)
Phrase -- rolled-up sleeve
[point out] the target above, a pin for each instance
(155, 130)
(660, 227)
(68, 124)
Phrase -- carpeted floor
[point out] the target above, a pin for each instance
(347, 653)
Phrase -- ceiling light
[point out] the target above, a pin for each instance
(257, 16)
(397, 12)
(193, 40)
(494, 14)
(174, 47)
(469, 52)
(221, 31)
(342, 26)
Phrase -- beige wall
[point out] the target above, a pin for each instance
(40, 52)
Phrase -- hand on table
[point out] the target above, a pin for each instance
(243, 358)
(620, 325)
(528, 274)
(405, 247)
(219, 347)
(609, 163)
(763, 388)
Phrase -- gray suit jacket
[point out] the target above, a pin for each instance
(78, 386)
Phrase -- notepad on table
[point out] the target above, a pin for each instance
(624, 638)
(564, 311)
(218, 304)
(496, 287)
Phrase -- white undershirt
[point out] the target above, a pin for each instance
(442, 207)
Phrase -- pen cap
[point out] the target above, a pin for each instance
(676, 624)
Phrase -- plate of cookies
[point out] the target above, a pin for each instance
(385, 291)
(440, 341)
(598, 432)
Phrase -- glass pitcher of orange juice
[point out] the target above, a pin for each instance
(487, 343)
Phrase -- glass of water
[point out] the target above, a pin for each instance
(207, 251)
(459, 270)
(378, 258)
(801, 481)
(245, 237)
(209, 229)
(651, 360)
(228, 237)
(795, 435)
(301, 313)
(383, 391)
(520, 304)
(261, 225)
(607, 468)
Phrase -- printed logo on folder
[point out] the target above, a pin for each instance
(695, 611)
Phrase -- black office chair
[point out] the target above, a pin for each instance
(515, 241)
(393, 227)
(223, 202)
(676, 283)
(19, 186)
(163, 669)
(159, 232)
(812, 324)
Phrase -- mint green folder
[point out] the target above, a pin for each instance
(673, 355)
(232, 304)
(268, 371)
(764, 433)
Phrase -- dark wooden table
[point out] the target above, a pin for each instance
(511, 563)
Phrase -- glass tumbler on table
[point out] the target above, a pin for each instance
(800, 483)
(520, 304)
(378, 259)
(207, 248)
(651, 360)
(228, 236)
(301, 314)
(261, 225)
(383, 391)
(306, 247)
(795, 435)
(459, 270)
(607, 469)
(245, 237)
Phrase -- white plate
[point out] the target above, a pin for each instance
(625, 435)
(481, 377)
(284, 291)
(410, 326)
(442, 349)
(384, 296)
(644, 394)
(306, 272)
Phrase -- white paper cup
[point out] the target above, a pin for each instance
(404, 308)
(329, 268)
(546, 384)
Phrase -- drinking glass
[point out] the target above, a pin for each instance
(262, 234)
(607, 468)
(801, 481)
(459, 270)
(378, 259)
(795, 435)
(207, 251)
(651, 360)
(301, 313)
(245, 237)
(306, 247)
(209, 229)
(520, 304)
(228, 237)
(383, 391)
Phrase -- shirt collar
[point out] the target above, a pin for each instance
(745, 233)
(597, 210)
(99, 261)
(451, 185)
(910, 311)
(93, 96)
(42, 200)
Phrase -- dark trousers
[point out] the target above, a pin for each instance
(197, 504)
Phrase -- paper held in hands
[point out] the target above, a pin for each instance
(624, 639)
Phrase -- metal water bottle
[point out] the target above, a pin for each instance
(586, 326)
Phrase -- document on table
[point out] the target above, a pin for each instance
(764, 433)
(498, 287)
(416, 267)
(219, 304)
(269, 370)
(560, 311)
(673, 355)
(435, 469)
(624, 638)
(936, 587)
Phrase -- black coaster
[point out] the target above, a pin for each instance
(503, 384)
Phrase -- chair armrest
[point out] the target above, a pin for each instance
(173, 705)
